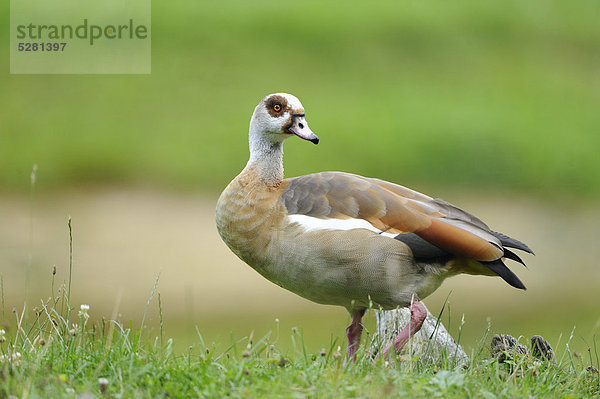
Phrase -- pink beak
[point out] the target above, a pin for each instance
(300, 128)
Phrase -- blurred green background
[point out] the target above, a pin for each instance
(493, 105)
(417, 91)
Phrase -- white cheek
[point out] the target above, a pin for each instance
(310, 223)
(264, 122)
(276, 125)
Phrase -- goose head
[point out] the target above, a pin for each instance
(277, 117)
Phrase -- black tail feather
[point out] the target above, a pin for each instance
(498, 267)
(511, 242)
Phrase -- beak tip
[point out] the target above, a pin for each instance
(315, 140)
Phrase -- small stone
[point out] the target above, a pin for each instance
(541, 348)
(506, 347)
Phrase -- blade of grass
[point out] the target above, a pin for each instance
(150, 299)
(32, 178)
(70, 271)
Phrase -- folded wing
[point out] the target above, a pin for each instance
(398, 210)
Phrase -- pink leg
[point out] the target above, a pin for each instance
(353, 332)
(418, 313)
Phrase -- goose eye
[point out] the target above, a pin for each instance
(277, 107)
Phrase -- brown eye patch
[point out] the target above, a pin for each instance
(276, 106)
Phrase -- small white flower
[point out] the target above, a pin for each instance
(83, 312)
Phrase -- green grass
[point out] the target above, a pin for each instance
(46, 355)
(487, 94)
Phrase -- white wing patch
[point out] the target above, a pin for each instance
(311, 224)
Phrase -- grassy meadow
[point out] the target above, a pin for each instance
(57, 351)
(490, 105)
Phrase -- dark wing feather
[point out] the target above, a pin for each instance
(512, 242)
(422, 250)
(508, 254)
(507, 275)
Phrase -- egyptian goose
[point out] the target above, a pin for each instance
(342, 239)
